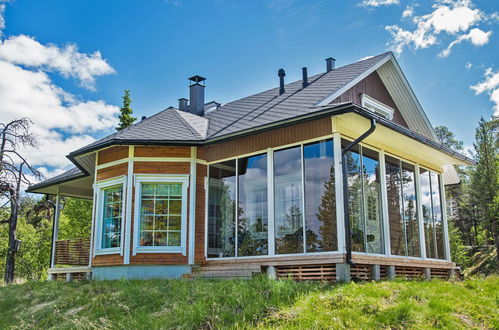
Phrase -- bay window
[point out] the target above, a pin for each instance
(109, 215)
(160, 213)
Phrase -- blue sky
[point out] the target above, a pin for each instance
(151, 47)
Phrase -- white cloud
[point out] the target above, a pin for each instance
(62, 122)
(468, 66)
(408, 12)
(68, 61)
(2, 19)
(454, 18)
(378, 3)
(489, 85)
(476, 36)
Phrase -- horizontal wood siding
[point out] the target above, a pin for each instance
(161, 167)
(112, 154)
(107, 260)
(272, 138)
(373, 86)
(162, 151)
(200, 214)
(112, 171)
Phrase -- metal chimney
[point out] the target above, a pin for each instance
(183, 104)
(281, 73)
(304, 77)
(330, 64)
(196, 102)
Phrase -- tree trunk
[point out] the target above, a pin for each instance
(11, 252)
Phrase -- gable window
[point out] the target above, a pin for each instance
(110, 215)
(161, 212)
(376, 106)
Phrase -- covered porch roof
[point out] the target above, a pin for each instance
(72, 183)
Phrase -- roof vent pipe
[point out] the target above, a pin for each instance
(304, 77)
(196, 102)
(281, 73)
(330, 64)
(183, 104)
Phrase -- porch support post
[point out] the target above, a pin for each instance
(390, 272)
(271, 272)
(384, 204)
(55, 230)
(427, 273)
(338, 179)
(343, 272)
(375, 272)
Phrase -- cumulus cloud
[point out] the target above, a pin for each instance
(408, 11)
(62, 122)
(67, 61)
(378, 3)
(455, 18)
(490, 85)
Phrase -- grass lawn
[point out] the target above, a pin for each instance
(258, 303)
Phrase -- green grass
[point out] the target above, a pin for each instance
(258, 303)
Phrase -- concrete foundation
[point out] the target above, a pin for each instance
(343, 272)
(139, 272)
(390, 272)
(375, 272)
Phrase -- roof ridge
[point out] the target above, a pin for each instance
(187, 124)
(185, 116)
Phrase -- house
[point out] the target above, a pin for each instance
(335, 176)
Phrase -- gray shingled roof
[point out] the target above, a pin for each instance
(173, 125)
(73, 173)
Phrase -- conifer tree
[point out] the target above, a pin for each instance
(126, 118)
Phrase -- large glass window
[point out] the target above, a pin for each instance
(320, 197)
(402, 208)
(432, 214)
(364, 197)
(288, 201)
(252, 213)
(222, 209)
(111, 217)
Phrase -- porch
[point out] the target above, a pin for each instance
(71, 259)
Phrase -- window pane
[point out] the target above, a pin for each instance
(355, 199)
(111, 223)
(222, 209)
(424, 180)
(320, 197)
(288, 201)
(437, 215)
(372, 203)
(393, 189)
(252, 223)
(156, 217)
(410, 210)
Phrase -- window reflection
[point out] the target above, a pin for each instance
(222, 209)
(252, 227)
(288, 201)
(320, 197)
(432, 214)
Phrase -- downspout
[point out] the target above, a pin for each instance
(348, 233)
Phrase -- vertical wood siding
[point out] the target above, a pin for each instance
(374, 87)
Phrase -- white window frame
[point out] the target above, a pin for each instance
(376, 106)
(99, 187)
(160, 179)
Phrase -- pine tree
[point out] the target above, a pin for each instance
(126, 118)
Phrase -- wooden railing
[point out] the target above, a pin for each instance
(72, 252)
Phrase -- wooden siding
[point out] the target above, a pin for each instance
(112, 154)
(269, 139)
(373, 86)
(108, 260)
(162, 151)
(161, 167)
(112, 171)
(201, 173)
